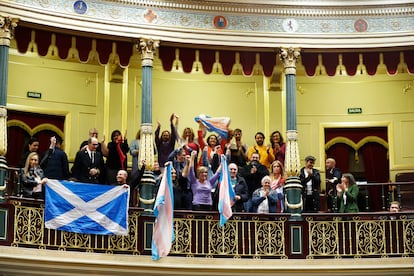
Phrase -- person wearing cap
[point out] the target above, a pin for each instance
(311, 181)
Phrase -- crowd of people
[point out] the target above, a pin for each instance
(256, 172)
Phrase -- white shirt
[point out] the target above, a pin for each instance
(308, 184)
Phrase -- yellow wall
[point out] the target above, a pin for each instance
(323, 102)
(85, 95)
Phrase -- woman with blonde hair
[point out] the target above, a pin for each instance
(276, 175)
(201, 186)
(32, 177)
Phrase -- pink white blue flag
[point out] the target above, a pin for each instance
(226, 193)
(220, 125)
(163, 234)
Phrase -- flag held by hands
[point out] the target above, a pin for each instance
(86, 208)
(226, 193)
(163, 234)
(220, 125)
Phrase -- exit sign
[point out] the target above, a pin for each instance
(354, 110)
(31, 94)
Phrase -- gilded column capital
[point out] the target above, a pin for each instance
(289, 56)
(7, 25)
(147, 46)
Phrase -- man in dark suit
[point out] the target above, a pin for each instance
(89, 164)
(333, 178)
(54, 162)
(311, 181)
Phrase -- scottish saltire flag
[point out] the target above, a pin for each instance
(163, 234)
(220, 125)
(86, 208)
(226, 193)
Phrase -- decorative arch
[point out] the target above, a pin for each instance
(21, 126)
(356, 146)
(33, 131)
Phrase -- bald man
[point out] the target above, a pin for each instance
(333, 177)
(121, 177)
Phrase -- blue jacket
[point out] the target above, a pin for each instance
(271, 200)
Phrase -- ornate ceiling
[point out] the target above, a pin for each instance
(253, 24)
(335, 37)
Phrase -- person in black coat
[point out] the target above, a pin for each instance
(55, 163)
(241, 192)
(333, 178)
(253, 174)
(89, 164)
(310, 179)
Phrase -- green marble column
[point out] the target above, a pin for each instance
(146, 152)
(293, 187)
(7, 25)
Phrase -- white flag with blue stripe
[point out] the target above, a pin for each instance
(86, 208)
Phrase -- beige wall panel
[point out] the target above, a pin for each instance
(276, 113)
(58, 85)
(406, 137)
(70, 89)
(334, 95)
(134, 104)
(85, 122)
(324, 101)
(115, 111)
(308, 141)
(192, 95)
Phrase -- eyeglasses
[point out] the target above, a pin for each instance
(95, 145)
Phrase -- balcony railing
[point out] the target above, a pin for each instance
(245, 235)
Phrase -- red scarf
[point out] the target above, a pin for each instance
(122, 156)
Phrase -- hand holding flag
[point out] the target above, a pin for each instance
(220, 125)
(226, 193)
(163, 234)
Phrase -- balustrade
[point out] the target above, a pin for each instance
(245, 235)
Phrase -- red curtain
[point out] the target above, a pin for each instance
(375, 156)
(376, 171)
(227, 59)
(18, 137)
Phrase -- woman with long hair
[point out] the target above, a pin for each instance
(276, 175)
(33, 177)
(278, 146)
(117, 156)
(348, 194)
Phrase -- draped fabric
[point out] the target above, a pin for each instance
(375, 156)
(29, 124)
(376, 171)
(227, 58)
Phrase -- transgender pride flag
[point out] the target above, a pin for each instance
(226, 193)
(163, 234)
(220, 125)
